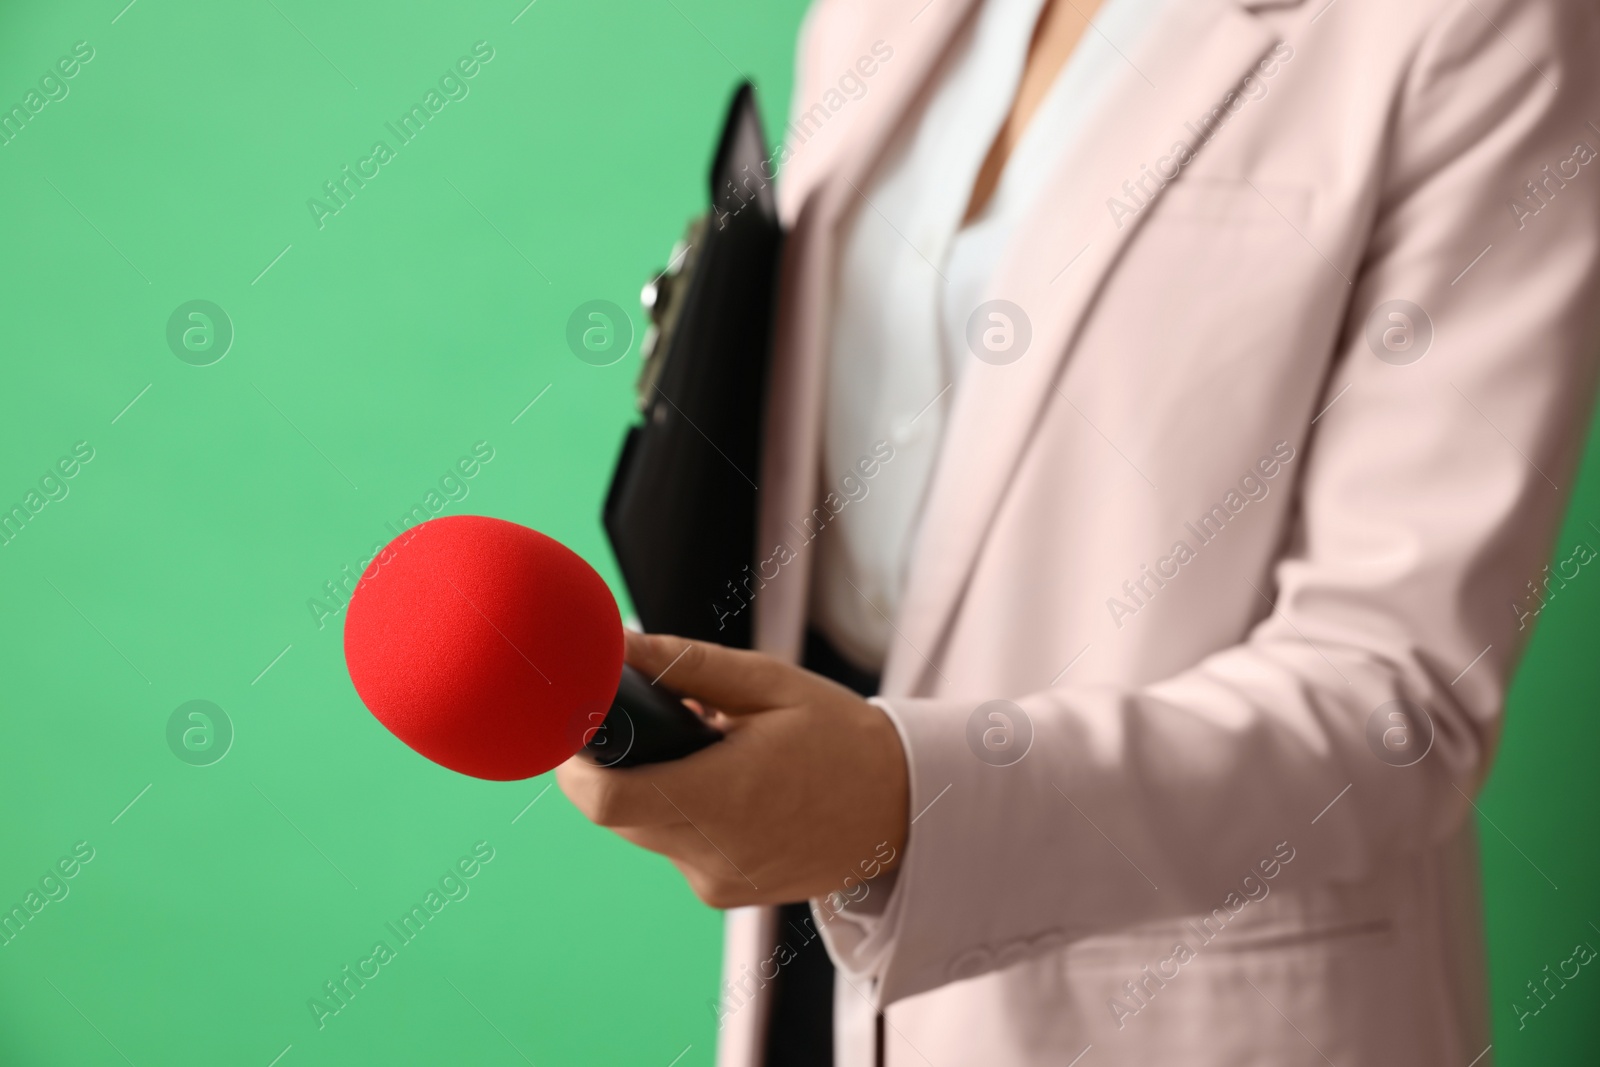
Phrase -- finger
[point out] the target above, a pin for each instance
(729, 679)
(678, 843)
(713, 876)
(615, 796)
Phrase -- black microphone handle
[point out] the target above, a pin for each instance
(646, 724)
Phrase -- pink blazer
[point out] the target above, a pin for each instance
(1245, 536)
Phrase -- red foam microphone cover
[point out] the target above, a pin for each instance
(486, 646)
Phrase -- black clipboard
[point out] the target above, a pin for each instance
(681, 510)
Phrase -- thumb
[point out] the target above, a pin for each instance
(731, 680)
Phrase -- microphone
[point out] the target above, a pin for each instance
(496, 651)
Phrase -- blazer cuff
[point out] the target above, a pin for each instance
(896, 941)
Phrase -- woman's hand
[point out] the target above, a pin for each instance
(802, 793)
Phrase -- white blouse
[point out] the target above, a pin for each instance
(909, 278)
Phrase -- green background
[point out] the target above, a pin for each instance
(369, 356)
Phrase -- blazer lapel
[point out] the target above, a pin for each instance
(926, 27)
(1197, 52)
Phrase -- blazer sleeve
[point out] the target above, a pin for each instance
(1429, 498)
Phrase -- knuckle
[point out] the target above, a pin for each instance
(714, 891)
(579, 788)
(693, 655)
(726, 899)
(605, 804)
